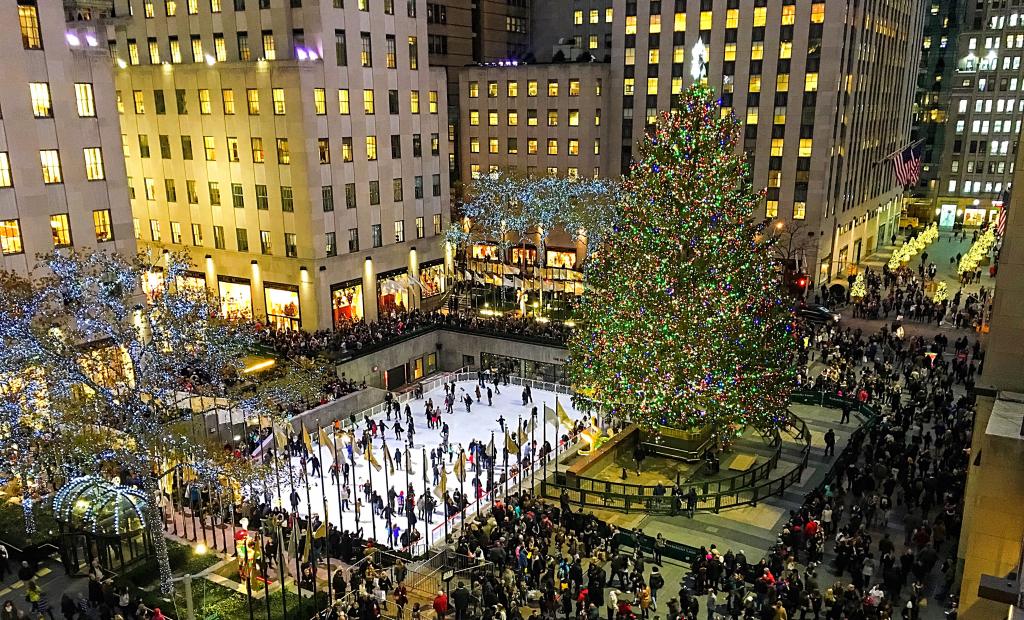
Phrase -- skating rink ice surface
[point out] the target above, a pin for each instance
(478, 424)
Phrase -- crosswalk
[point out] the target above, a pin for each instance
(17, 585)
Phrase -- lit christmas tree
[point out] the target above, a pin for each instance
(684, 323)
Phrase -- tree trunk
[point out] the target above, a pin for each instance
(154, 521)
(26, 506)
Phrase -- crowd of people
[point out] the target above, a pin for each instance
(354, 336)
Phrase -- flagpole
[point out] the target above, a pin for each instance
(369, 474)
(479, 483)
(462, 485)
(337, 486)
(280, 537)
(309, 518)
(426, 499)
(355, 486)
(533, 451)
(519, 455)
(409, 516)
(295, 524)
(327, 520)
(387, 485)
(544, 439)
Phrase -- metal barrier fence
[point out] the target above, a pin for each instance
(643, 498)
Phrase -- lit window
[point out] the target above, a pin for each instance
(50, 160)
(631, 24)
(512, 88)
(574, 118)
(751, 116)
(42, 106)
(771, 208)
(210, 146)
(552, 118)
(28, 20)
(799, 210)
(552, 88)
(5, 170)
(574, 147)
(492, 118)
(10, 236)
(474, 145)
(205, 106)
(818, 13)
(552, 146)
(252, 98)
(755, 84)
(474, 90)
(60, 230)
(258, 155)
(531, 88)
(278, 97)
(730, 52)
(371, 148)
(777, 147)
(757, 50)
(577, 17)
(319, 101)
(93, 163)
(760, 16)
(269, 49)
(228, 97)
(492, 146)
(474, 117)
(805, 147)
(492, 89)
(85, 100)
(782, 82)
(655, 24)
(811, 82)
(101, 225)
(343, 101)
(531, 146)
(788, 15)
(652, 86)
(432, 101)
(531, 118)
(786, 49)
(414, 101)
(284, 153)
(513, 118)
(368, 105)
(705, 20)
(574, 88)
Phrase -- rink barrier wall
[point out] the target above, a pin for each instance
(632, 498)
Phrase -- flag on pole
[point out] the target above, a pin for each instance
(510, 445)
(307, 548)
(907, 164)
(491, 449)
(293, 540)
(408, 463)
(563, 417)
(550, 417)
(441, 489)
(321, 531)
(371, 457)
(460, 467)
(389, 460)
(280, 438)
(306, 439)
(325, 442)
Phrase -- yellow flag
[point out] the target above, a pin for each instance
(321, 532)
(306, 439)
(460, 467)
(510, 445)
(307, 547)
(389, 460)
(563, 417)
(550, 417)
(325, 442)
(442, 488)
(370, 458)
(280, 438)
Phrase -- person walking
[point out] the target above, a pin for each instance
(34, 595)
(830, 443)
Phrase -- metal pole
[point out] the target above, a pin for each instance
(327, 521)
(263, 566)
(533, 451)
(387, 486)
(309, 529)
(427, 512)
(519, 455)
(248, 577)
(190, 612)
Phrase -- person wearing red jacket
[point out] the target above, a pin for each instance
(441, 605)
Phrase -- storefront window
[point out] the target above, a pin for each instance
(431, 362)
(433, 280)
(347, 302)
(521, 256)
(563, 259)
(417, 368)
(192, 282)
(974, 217)
(282, 305)
(153, 285)
(486, 251)
(235, 298)
(392, 292)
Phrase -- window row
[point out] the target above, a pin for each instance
(572, 146)
(377, 235)
(52, 170)
(229, 104)
(281, 146)
(571, 172)
(512, 118)
(245, 50)
(156, 233)
(532, 88)
(787, 17)
(170, 7)
(397, 189)
(42, 100)
(60, 231)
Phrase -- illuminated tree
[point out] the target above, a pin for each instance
(683, 322)
(112, 364)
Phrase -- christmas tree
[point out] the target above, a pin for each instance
(683, 322)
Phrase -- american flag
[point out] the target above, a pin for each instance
(907, 165)
(1004, 198)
